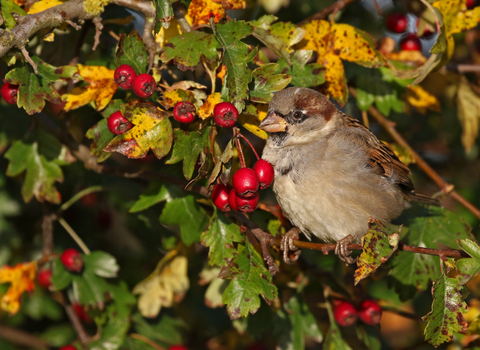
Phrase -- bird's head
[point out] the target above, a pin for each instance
(298, 116)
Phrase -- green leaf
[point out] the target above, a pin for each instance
(131, 50)
(447, 312)
(114, 331)
(302, 74)
(412, 272)
(262, 31)
(302, 321)
(187, 49)
(90, 289)
(101, 136)
(219, 236)
(267, 82)
(39, 305)
(102, 263)
(289, 32)
(9, 7)
(187, 146)
(61, 278)
(333, 339)
(185, 212)
(249, 280)
(223, 166)
(34, 89)
(379, 243)
(470, 267)
(156, 193)
(236, 57)
(166, 330)
(40, 176)
(163, 14)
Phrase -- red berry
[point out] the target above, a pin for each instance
(397, 22)
(370, 312)
(118, 124)
(177, 347)
(89, 200)
(144, 85)
(68, 347)
(265, 173)
(471, 4)
(81, 313)
(9, 93)
(232, 200)
(184, 112)
(245, 182)
(220, 197)
(410, 43)
(44, 278)
(247, 205)
(124, 76)
(345, 314)
(72, 260)
(225, 114)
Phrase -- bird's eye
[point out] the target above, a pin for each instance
(297, 115)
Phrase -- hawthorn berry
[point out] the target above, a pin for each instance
(9, 93)
(345, 313)
(68, 347)
(410, 43)
(265, 173)
(232, 200)
(397, 23)
(44, 278)
(72, 260)
(184, 112)
(144, 85)
(177, 347)
(225, 114)
(245, 182)
(220, 197)
(81, 313)
(471, 4)
(247, 205)
(124, 76)
(118, 124)
(370, 312)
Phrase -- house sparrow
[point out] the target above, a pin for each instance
(331, 173)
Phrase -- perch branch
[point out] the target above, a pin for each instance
(422, 164)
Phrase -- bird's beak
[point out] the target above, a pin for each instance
(273, 123)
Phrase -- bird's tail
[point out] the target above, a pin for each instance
(421, 198)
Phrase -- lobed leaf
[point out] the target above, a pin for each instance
(267, 82)
(302, 74)
(163, 14)
(470, 267)
(131, 49)
(249, 280)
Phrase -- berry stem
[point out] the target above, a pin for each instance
(239, 148)
(74, 235)
(251, 146)
(212, 146)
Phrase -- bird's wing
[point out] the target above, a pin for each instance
(381, 157)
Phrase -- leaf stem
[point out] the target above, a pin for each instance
(74, 235)
(79, 195)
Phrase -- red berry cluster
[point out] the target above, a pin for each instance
(346, 314)
(143, 85)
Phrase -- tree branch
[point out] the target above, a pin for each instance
(422, 164)
(337, 6)
(22, 338)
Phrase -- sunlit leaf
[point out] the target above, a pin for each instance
(267, 82)
(131, 50)
(21, 278)
(421, 99)
(42, 5)
(468, 103)
(206, 110)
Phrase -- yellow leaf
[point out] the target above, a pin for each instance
(207, 108)
(456, 17)
(166, 285)
(99, 91)
(355, 45)
(200, 11)
(251, 123)
(50, 37)
(335, 81)
(21, 278)
(171, 98)
(316, 37)
(468, 104)
(164, 35)
(414, 57)
(421, 99)
(42, 5)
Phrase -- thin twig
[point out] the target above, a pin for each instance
(73, 24)
(241, 157)
(336, 6)
(422, 164)
(74, 235)
(29, 59)
(97, 21)
(147, 341)
(47, 231)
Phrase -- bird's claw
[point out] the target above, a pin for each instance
(286, 245)
(341, 249)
